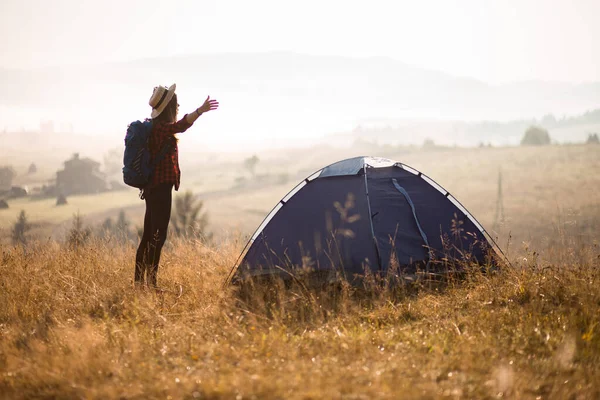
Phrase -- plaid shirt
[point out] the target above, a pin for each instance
(167, 170)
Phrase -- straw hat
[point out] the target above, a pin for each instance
(160, 98)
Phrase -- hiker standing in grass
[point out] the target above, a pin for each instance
(166, 175)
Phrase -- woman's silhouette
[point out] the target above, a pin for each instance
(158, 193)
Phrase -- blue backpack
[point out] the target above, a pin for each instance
(138, 167)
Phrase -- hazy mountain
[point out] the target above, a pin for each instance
(272, 94)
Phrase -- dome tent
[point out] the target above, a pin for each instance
(360, 214)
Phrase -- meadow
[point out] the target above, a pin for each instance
(72, 325)
(560, 183)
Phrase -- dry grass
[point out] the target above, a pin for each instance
(72, 326)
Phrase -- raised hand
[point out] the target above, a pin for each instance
(208, 105)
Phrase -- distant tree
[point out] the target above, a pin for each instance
(283, 178)
(78, 235)
(187, 219)
(428, 143)
(32, 169)
(7, 174)
(19, 229)
(61, 200)
(250, 163)
(535, 136)
(592, 139)
(548, 120)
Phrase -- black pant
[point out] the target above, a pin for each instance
(156, 222)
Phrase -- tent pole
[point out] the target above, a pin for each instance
(371, 219)
(236, 265)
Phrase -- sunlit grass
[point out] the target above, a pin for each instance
(72, 326)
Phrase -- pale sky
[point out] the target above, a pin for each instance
(494, 41)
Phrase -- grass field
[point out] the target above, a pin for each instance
(72, 325)
(561, 183)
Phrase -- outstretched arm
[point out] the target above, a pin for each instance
(208, 105)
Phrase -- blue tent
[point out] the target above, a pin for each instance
(365, 213)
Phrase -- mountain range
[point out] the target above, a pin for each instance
(276, 97)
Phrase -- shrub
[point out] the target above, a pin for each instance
(535, 136)
(187, 219)
(118, 230)
(250, 164)
(20, 229)
(61, 200)
(7, 174)
(78, 235)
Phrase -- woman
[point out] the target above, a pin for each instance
(158, 194)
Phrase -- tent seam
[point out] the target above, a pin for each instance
(371, 219)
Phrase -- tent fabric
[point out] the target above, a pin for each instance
(352, 166)
(309, 231)
(394, 223)
(450, 231)
(364, 213)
